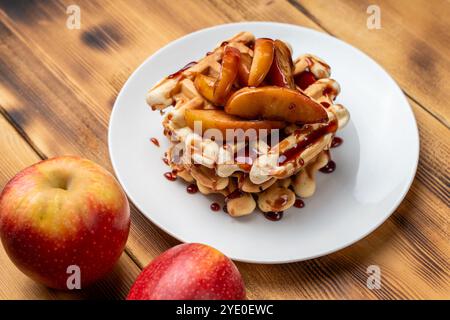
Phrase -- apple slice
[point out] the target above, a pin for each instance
(244, 69)
(275, 103)
(228, 74)
(218, 119)
(262, 60)
(281, 71)
(205, 86)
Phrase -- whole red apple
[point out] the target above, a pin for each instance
(190, 271)
(60, 213)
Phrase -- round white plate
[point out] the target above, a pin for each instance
(375, 165)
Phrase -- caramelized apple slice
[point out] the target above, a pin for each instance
(228, 74)
(205, 86)
(218, 119)
(244, 69)
(275, 103)
(281, 71)
(262, 60)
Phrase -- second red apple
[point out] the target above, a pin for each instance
(190, 271)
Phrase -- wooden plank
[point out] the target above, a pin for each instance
(15, 155)
(412, 43)
(65, 93)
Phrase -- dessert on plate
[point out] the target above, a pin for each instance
(249, 122)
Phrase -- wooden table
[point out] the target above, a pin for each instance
(57, 88)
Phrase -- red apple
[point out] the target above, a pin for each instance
(61, 213)
(190, 271)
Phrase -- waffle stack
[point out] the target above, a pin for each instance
(268, 170)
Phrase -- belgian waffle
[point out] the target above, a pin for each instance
(271, 176)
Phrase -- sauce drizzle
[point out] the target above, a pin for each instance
(305, 79)
(235, 194)
(175, 74)
(310, 138)
(336, 142)
(325, 104)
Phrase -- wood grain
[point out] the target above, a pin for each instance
(57, 87)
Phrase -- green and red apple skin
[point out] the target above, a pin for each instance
(61, 212)
(190, 271)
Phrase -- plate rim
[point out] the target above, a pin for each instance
(383, 219)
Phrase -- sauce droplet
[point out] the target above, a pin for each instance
(192, 188)
(329, 91)
(329, 167)
(299, 203)
(273, 216)
(215, 206)
(235, 194)
(336, 142)
(155, 141)
(166, 161)
(281, 201)
(170, 176)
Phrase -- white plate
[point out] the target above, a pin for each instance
(375, 165)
